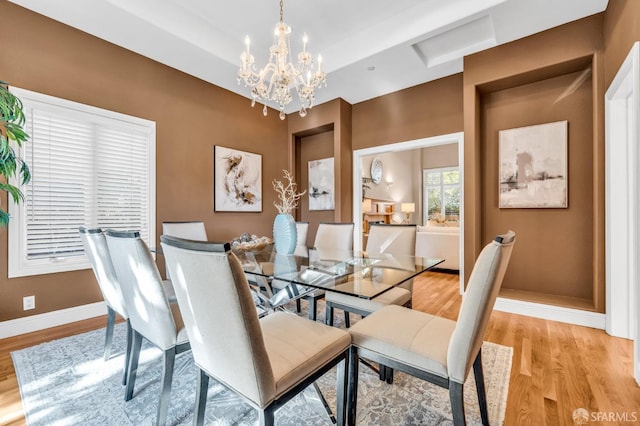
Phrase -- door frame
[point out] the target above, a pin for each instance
(405, 146)
(622, 188)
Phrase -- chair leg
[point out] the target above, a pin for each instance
(201, 398)
(389, 375)
(312, 308)
(165, 390)
(127, 353)
(482, 396)
(298, 307)
(352, 386)
(347, 320)
(457, 403)
(133, 365)
(266, 417)
(341, 391)
(328, 314)
(111, 320)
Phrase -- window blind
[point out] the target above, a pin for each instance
(88, 169)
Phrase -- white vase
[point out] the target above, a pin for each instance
(284, 233)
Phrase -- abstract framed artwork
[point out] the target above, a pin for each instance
(237, 180)
(321, 185)
(533, 166)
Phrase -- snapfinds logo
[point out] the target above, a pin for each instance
(581, 416)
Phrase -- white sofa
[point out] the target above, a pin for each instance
(441, 242)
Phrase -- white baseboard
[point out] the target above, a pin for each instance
(550, 312)
(51, 319)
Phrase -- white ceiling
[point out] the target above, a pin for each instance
(369, 47)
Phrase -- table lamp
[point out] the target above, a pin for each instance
(407, 208)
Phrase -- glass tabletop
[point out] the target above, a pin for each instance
(344, 271)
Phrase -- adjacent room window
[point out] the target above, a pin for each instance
(90, 167)
(442, 194)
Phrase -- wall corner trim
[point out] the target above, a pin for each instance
(550, 312)
(38, 322)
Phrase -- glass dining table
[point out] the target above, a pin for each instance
(353, 273)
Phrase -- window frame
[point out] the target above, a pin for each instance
(18, 264)
(442, 186)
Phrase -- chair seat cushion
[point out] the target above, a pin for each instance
(297, 347)
(411, 337)
(395, 296)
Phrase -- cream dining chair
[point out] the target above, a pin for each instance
(266, 361)
(338, 236)
(96, 249)
(191, 230)
(383, 239)
(433, 348)
(152, 317)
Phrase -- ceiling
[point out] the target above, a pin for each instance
(369, 47)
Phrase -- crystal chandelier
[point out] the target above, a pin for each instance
(275, 80)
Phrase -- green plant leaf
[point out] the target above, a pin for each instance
(4, 218)
(13, 191)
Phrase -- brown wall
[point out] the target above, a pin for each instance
(554, 245)
(430, 109)
(314, 147)
(559, 252)
(191, 117)
(621, 30)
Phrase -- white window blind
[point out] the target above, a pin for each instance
(90, 167)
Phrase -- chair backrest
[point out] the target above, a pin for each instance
(302, 229)
(477, 304)
(392, 239)
(188, 230)
(334, 235)
(149, 313)
(220, 316)
(95, 246)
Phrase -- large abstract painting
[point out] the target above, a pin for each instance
(237, 180)
(321, 183)
(533, 166)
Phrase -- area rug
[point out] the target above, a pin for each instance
(67, 382)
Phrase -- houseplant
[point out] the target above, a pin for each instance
(284, 226)
(12, 120)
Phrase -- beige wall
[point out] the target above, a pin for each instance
(435, 157)
(191, 117)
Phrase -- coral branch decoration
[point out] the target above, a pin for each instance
(287, 195)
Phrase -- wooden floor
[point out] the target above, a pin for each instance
(556, 369)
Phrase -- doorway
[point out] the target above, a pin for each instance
(358, 174)
(622, 126)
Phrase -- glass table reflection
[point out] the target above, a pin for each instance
(344, 271)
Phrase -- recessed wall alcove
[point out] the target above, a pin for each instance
(559, 254)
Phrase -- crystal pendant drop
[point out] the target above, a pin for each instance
(253, 103)
(282, 115)
(303, 112)
(264, 111)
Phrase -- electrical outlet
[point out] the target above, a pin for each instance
(28, 302)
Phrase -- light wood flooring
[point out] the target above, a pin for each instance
(556, 369)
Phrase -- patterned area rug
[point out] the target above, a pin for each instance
(67, 382)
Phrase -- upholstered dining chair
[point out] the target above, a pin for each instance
(266, 361)
(152, 317)
(338, 236)
(392, 239)
(96, 249)
(191, 230)
(433, 348)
